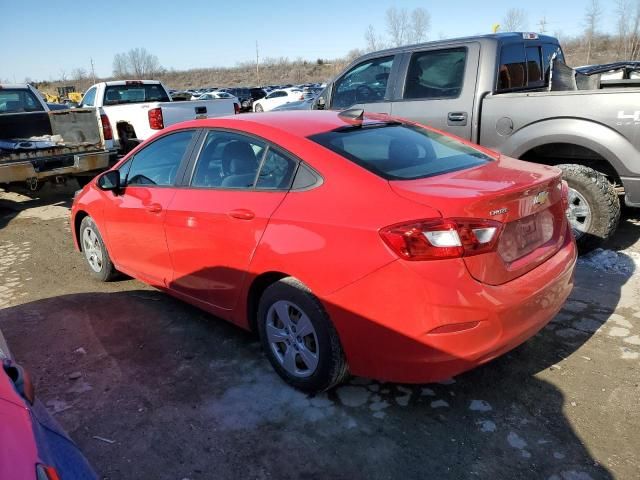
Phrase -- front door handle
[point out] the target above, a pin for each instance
(457, 118)
(154, 208)
(242, 214)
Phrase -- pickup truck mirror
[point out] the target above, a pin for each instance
(110, 181)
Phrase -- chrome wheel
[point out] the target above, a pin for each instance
(292, 338)
(92, 249)
(578, 213)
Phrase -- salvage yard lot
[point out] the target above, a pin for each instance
(150, 387)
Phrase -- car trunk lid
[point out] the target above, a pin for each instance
(525, 197)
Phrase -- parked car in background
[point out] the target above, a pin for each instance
(257, 94)
(461, 253)
(512, 92)
(137, 109)
(277, 98)
(38, 143)
(306, 104)
(34, 446)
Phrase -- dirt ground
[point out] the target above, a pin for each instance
(179, 394)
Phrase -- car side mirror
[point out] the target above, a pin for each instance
(110, 181)
(320, 103)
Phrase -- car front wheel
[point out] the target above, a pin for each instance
(298, 337)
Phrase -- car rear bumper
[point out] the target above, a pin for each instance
(384, 320)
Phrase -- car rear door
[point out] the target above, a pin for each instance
(437, 87)
(134, 219)
(215, 223)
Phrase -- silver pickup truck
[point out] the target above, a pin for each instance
(38, 144)
(513, 93)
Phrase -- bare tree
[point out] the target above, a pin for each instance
(78, 74)
(592, 19)
(515, 20)
(137, 63)
(372, 39)
(628, 23)
(397, 25)
(419, 26)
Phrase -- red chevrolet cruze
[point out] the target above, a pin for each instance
(351, 243)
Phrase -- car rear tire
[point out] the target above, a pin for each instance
(95, 253)
(594, 206)
(298, 337)
(258, 108)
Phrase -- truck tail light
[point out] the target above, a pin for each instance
(156, 121)
(436, 239)
(107, 133)
(44, 472)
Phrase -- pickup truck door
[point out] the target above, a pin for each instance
(437, 86)
(366, 85)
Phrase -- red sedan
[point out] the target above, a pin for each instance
(351, 243)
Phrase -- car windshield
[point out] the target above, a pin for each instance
(397, 151)
(134, 93)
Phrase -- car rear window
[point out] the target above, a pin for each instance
(18, 100)
(398, 151)
(134, 93)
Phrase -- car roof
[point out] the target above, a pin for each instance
(301, 123)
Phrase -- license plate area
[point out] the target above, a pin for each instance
(523, 236)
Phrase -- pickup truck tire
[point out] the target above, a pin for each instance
(299, 338)
(98, 260)
(594, 206)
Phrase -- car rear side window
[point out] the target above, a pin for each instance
(158, 163)
(436, 74)
(276, 171)
(401, 152)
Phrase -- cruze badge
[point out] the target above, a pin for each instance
(541, 198)
(493, 213)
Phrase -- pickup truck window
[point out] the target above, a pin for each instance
(157, 164)
(15, 100)
(134, 93)
(364, 83)
(436, 74)
(401, 152)
(89, 99)
(513, 67)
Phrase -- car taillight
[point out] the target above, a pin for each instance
(44, 472)
(442, 238)
(236, 108)
(106, 127)
(564, 189)
(156, 121)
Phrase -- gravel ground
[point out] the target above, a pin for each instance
(183, 395)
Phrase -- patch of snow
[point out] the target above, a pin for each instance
(626, 262)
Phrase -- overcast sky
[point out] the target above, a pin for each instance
(42, 39)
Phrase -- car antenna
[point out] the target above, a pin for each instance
(353, 114)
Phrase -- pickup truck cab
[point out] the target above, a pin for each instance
(137, 109)
(513, 93)
(38, 144)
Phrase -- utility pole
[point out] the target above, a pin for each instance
(543, 25)
(93, 72)
(257, 64)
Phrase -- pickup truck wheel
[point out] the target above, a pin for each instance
(298, 337)
(95, 252)
(594, 206)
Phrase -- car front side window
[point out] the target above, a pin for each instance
(157, 164)
(364, 83)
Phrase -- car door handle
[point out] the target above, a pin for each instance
(242, 214)
(154, 208)
(457, 118)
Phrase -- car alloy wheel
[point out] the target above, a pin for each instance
(92, 249)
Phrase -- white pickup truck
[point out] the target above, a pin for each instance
(136, 109)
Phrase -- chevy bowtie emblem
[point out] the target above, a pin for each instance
(541, 198)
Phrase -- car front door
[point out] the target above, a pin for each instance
(214, 225)
(135, 217)
(366, 86)
(438, 88)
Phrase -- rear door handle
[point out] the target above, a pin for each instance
(242, 214)
(154, 208)
(457, 118)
